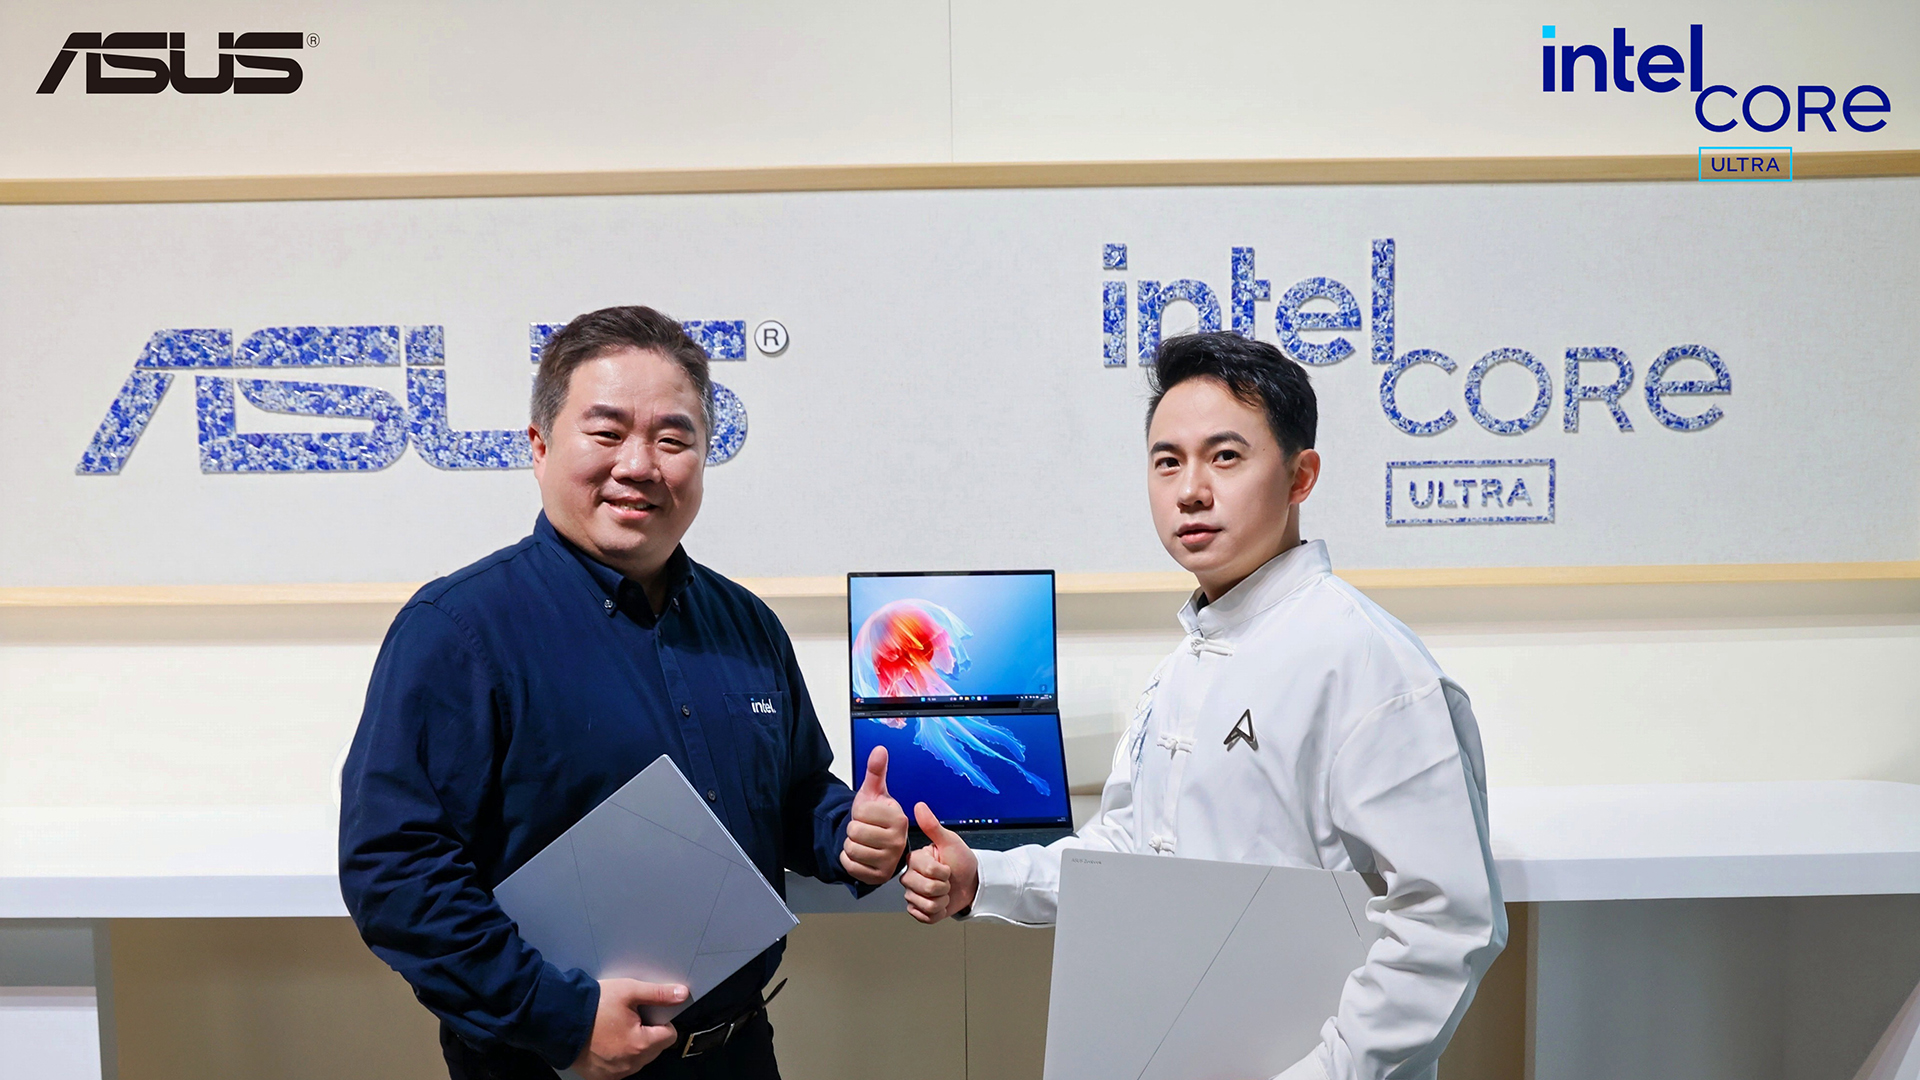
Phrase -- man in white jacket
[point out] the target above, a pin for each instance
(1297, 725)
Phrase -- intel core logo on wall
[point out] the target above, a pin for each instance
(1566, 68)
(1312, 321)
(1513, 492)
(1594, 378)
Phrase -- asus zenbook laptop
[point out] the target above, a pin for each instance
(956, 675)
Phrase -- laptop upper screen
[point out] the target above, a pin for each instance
(964, 640)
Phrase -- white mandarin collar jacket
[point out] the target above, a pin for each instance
(1299, 724)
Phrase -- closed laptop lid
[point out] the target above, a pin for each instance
(1184, 969)
(648, 885)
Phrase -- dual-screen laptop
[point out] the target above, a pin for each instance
(956, 674)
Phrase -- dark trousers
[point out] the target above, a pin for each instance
(747, 1056)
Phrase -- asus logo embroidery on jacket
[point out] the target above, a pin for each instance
(1243, 732)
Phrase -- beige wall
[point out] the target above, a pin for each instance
(281, 998)
(114, 707)
(303, 999)
(869, 997)
(596, 84)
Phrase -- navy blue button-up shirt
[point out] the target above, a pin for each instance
(514, 696)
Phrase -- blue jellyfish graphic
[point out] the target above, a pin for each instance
(910, 648)
(954, 740)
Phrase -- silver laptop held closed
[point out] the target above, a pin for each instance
(649, 885)
(1184, 969)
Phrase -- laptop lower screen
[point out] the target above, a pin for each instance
(1004, 769)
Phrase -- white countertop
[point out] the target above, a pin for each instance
(1613, 842)
(1650, 841)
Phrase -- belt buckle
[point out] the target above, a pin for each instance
(698, 1042)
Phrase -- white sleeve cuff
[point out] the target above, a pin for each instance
(1006, 892)
(1307, 1068)
(998, 889)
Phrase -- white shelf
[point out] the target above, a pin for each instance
(1654, 841)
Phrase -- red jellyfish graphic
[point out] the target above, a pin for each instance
(910, 648)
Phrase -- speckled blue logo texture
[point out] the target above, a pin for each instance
(1516, 491)
(1596, 381)
(420, 421)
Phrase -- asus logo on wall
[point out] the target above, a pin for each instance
(156, 74)
(420, 420)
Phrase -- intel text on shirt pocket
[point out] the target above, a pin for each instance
(759, 721)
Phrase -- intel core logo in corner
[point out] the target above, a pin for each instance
(1512, 492)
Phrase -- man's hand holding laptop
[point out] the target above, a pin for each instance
(622, 1042)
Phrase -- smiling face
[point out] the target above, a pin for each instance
(621, 470)
(1222, 488)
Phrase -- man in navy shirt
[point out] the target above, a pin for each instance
(513, 696)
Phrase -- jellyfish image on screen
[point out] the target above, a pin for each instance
(910, 648)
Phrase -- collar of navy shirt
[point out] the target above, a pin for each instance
(613, 591)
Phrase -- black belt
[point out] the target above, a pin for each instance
(707, 1040)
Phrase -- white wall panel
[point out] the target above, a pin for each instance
(231, 724)
(944, 401)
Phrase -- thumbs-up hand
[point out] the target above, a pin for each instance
(941, 878)
(877, 835)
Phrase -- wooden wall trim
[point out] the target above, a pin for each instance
(1169, 582)
(1845, 164)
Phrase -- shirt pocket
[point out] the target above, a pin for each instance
(760, 721)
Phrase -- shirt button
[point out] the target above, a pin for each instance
(686, 710)
(608, 604)
(712, 796)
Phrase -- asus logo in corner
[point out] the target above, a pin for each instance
(155, 74)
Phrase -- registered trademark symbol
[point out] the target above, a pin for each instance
(770, 338)
(313, 41)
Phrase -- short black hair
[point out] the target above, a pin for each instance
(1255, 372)
(597, 333)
